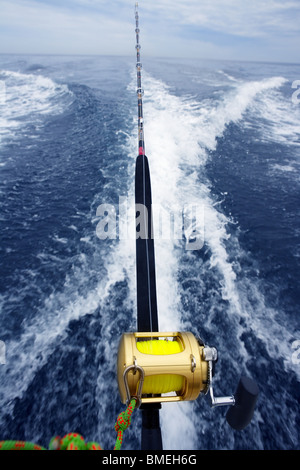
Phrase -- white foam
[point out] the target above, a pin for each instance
(178, 426)
(25, 356)
(228, 76)
(284, 168)
(30, 352)
(179, 132)
(27, 98)
(278, 117)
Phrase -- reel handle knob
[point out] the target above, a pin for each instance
(240, 414)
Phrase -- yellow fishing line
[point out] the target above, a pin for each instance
(162, 383)
(159, 346)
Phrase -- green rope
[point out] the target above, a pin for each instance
(123, 422)
(19, 445)
(74, 441)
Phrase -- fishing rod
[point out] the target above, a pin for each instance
(140, 91)
(147, 316)
(157, 367)
(145, 260)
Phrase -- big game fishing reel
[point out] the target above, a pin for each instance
(170, 367)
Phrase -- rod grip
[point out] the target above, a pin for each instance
(241, 413)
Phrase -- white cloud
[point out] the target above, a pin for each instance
(255, 18)
(48, 28)
(168, 27)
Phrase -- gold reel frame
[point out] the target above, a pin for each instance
(134, 366)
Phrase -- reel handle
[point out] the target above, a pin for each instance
(241, 413)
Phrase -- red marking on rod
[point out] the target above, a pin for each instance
(141, 151)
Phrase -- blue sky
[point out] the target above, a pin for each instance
(267, 30)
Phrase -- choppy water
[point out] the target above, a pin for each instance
(222, 135)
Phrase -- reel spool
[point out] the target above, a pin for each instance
(166, 367)
(161, 367)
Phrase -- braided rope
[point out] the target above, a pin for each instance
(74, 441)
(123, 422)
(19, 445)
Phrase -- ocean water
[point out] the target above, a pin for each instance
(222, 135)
